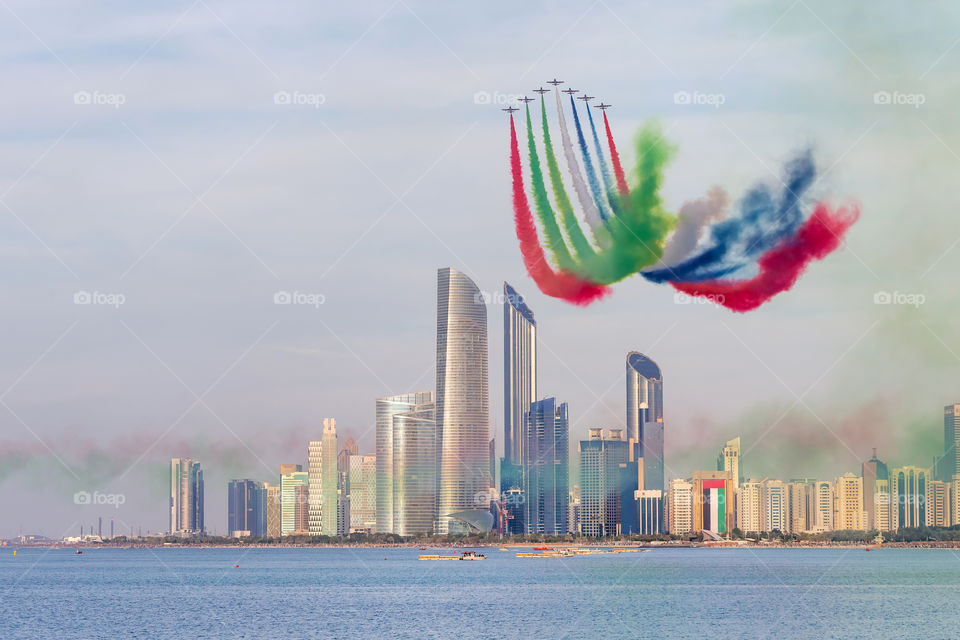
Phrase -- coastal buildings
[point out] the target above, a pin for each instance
(246, 508)
(748, 504)
(363, 492)
(413, 470)
(600, 499)
(950, 464)
(386, 452)
(186, 497)
(849, 513)
(645, 435)
(294, 504)
(713, 503)
(329, 478)
(729, 460)
(871, 471)
(679, 507)
(545, 467)
(274, 510)
(938, 504)
(462, 412)
(315, 484)
(908, 496)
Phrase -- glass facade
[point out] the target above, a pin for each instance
(546, 467)
(415, 471)
(186, 497)
(386, 409)
(462, 407)
(247, 507)
(519, 371)
(645, 420)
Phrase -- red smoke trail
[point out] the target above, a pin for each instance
(556, 284)
(780, 267)
(615, 157)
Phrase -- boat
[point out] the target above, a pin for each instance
(472, 555)
(78, 552)
(543, 549)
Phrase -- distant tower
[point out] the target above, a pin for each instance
(871, 471)
(546, 467)
(330, 477)
(519, 371)
(386, 410)
(186, 497)
(462, 404)
(729, 460)
(950, 465)
(645, 421)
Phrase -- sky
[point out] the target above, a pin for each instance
(179, 165)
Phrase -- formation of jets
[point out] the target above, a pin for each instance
(602, 106)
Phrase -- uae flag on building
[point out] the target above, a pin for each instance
(714, 505)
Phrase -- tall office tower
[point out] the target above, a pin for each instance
(246, 508)
(798, 505)
(351, 447)
(908, 497)
(729, 460)
(186, 497)
(462, 404)
(773, 495)
(290, 508)
(713, 503)
(848, 512)
(343, 499)
(301, 508)
(329, 477)
(386, 409)
(750, 506)
(363, 493)
(882, 505)
(519, 371)
(938, 504)
(950, 465)
(645, 419)
(546, 454)
(871, 471)
(600, 503)
(820, 501)
(680, 507)
(573, 510)
(274, 510)
(414, 464)
(315, 484)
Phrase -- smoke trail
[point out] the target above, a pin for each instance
(581, 246)
(692, 218)
(558, 285)
(598, 196)
(612, 198)
(545, 212)
(781, 267)
(579, 186)
(615, 159)
(762, 223)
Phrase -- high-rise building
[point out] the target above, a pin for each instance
(573, 510)
(938, 504)
(749, 503)
(329, 477)
(186, 497)
(600, 500)
(462, 413)
(773, 494)
(645, 420)
(246, 508)
(315, 484)
(414, 470)
(908, 496)
(849, 514)
(386, 409)
(363, 493)
(871, 471)
(649, 505)
(519, 371)
(820, 499)
(729, 460)
(351, 447)
(882, 505)
(274, 510)
(950, 465)
(680, 507)
(799, 505)
(546, 454)
(713, 502)
(294, 503)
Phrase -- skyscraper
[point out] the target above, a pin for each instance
(908, 497)
(462, 413)
(519, 371)
(938, 504)
(871, 471)
(729, 460)
(274, 510)
(186, 497)
(386, 409)
(849, 513)
(315, 484)
(329, 478)
(363, 493)
(950, 464)
(600, 490)
(246, 508)
(645, 420)
(414, 467)
(680, 507)
(293, 502)
(821, 505)
(773, 496)
(712, 504)
(750, 506)
(546, 453)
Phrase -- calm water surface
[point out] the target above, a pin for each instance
(377, 593)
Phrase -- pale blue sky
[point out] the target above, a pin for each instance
(300, 198)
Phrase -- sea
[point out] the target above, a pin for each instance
(388, 593)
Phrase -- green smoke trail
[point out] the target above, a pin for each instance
(545, 213)
(581, 246)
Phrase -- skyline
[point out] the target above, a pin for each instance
(100, 386)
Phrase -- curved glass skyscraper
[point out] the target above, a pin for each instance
(462, 403)
(645, 420)
(519, 371)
